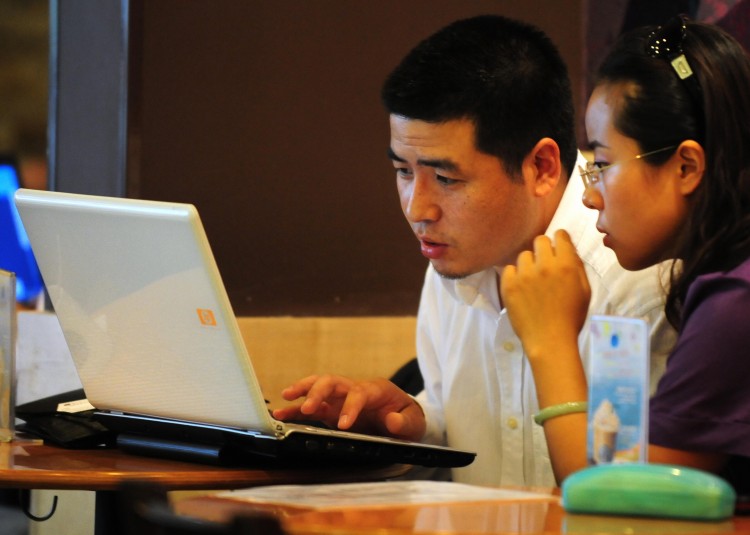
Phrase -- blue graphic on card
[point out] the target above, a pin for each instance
(618, 390)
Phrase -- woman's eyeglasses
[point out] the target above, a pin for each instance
(666, 43)
(593, 172)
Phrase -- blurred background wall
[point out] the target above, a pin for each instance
(24, 85)
(266, 116)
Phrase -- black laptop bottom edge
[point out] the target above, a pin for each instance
(226, 447)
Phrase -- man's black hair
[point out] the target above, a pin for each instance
(506, 76)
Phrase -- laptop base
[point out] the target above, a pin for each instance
(232, 447)
(213, 454)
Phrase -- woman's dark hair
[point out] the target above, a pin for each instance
(659, 110)
(505, 76)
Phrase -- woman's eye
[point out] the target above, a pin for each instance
(600, 164)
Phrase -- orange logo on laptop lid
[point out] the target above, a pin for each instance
(206, 316)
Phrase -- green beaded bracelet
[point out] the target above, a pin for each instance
(560, 410)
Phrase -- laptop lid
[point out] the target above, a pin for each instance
(143, 309)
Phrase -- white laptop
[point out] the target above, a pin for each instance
(156, 344)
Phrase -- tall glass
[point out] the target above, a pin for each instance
(7, 355)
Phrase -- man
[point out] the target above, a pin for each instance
(483, 143)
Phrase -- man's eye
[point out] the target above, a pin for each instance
(446, 181)
(403, 172)
(599, 164)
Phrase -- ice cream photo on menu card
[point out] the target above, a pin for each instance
(618, 390)
(604, 427)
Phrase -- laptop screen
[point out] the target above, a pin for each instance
(15, 254)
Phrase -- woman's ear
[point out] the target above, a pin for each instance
(692, 161)
(542, 167)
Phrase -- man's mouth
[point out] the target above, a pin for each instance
(432, 249)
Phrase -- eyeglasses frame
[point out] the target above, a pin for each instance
(592, 174)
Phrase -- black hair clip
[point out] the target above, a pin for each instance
(666, 43)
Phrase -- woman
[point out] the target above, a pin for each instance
(669, 123)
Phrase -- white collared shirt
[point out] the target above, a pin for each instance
(479, 389)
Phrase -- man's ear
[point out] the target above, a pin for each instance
(542, 167)
(692, 161)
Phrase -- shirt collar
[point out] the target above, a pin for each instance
(569, 205)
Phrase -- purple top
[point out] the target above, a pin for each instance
(702, 402)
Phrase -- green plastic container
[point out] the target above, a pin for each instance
(654, 490)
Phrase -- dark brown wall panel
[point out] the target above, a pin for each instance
(266, 115)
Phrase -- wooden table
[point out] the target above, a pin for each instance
(544, 516)
(29, 465)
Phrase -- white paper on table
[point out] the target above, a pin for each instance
(377, 494)
(44, 366)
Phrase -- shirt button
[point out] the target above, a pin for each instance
(509, 346)
(512, 423)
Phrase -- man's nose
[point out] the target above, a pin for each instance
(421, 202)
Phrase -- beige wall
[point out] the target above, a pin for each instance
(286, 349)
